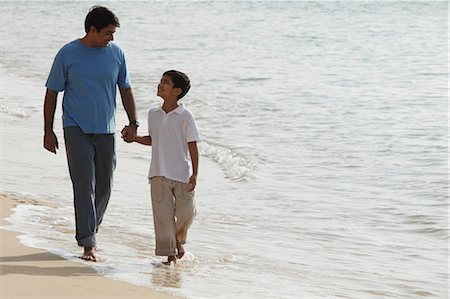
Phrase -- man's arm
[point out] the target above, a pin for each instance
(128, 103)
(193, 151)
(50, 140)
(129, 132)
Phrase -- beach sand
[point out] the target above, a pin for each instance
(33, 273)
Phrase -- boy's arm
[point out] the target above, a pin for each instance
(193, 151)
(145, 140)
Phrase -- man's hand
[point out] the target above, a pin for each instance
(129, 133)
(192, 183)
(50, 141)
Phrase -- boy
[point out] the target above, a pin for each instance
(172, 133)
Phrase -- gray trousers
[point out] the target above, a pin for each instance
(92, 160)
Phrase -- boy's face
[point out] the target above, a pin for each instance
(166, 89)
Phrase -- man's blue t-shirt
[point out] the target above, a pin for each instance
(89, 78)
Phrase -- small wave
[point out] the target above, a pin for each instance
(18, 112)
(254, 79)
(233, 164)
(172, 49)
(229, 259)
(439, 232)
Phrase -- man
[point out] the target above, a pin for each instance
(88, 70)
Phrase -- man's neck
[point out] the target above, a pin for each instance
(88, 42)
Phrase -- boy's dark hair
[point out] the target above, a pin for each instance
(100, 17)
(180, 80)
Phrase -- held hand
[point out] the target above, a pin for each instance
(129, 133)
(124, 133)
(50, 142)
(192, 183)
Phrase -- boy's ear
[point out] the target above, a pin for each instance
(177, 91)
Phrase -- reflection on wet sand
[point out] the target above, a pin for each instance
(167, 276)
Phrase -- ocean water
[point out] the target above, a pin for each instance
(324, 144)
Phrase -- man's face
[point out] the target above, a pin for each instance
(104, 36)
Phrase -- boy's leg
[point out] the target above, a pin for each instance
(185, 211)
(105, 163)
(163, 216)
(80, 157)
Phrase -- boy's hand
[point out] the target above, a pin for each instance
(192, 183)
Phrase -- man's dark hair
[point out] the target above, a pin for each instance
(180, 80)
(100, 17)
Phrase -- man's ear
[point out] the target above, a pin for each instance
(93, 29)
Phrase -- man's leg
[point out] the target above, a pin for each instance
(80, 157)
(105, 163)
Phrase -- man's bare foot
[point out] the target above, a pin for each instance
(170, 259)
(180, 250)
(88, 254)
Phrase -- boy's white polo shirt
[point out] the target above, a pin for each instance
(170, 134)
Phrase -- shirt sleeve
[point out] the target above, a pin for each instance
(191, 131)
(57, 78)
(123, 79)
(148, 123)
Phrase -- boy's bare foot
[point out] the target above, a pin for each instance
(88, 254)
(180, 250)
(170, 259)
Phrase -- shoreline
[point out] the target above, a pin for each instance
(28, 272)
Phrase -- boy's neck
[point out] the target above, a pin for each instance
(169, 105)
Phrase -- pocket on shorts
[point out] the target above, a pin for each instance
(157, 189)
(189, 195)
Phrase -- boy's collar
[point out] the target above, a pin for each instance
(180, 109)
